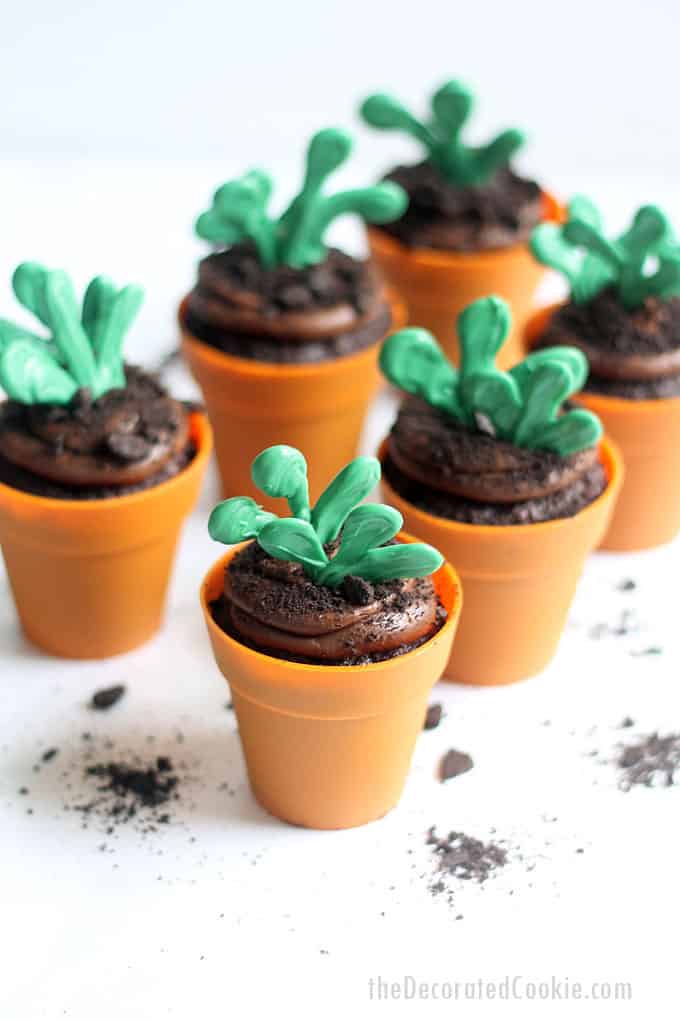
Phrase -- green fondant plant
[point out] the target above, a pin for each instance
(362, 529)
(451, 106)
(642, 262)
(522, 406)
(84, 349)
(296, 238)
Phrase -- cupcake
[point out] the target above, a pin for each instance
(282, 332)
(331, 628)
(99, 465)
(623, 313)
(468, 220)
(499, 472)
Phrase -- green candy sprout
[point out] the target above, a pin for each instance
(521, 406)
(441, 137)
(84, 350)
(642, 262)
(296, 238)
(363, 530)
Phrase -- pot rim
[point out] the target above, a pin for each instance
(216, 571)
(613, 464)
(201, 433)
(437, 258)
(267, 369)
(534, 328)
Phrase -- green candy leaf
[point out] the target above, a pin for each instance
(493, 402)
(582, 208)
(296, 238)
(452, 105)
(570, 358)
(86, 343)
(386, 113)
(281, 472)
(392, 561)
(549, 387)
(30, 284)
(347, 489)
(441, 138)
(519, 406)
(235, 520)
(367, 527)
(482, 329)
(116, 317)
(573, 431)
(413, 360)
(294, 539)
(590, 261)
(32, 376)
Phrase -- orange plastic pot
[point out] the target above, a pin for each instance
(318, 408)
(329, 747)
(89, 577)
(519, 581)
(437, 285)
(647, 513)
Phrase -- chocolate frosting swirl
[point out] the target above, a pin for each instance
(123, 438)
(236, 294)
(431, 448)
(445, 216)
(272, 605)
(621, 345)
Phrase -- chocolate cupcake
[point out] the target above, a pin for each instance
(328, 585)
(499, 471)
(331, 631)
(282, 332)
(623, 313)
(80, 428)
(469, 216)
(79, 423)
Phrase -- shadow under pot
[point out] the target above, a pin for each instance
(437, 285)
(318, 406)
(329, 746)
(90, 576)
(519, 580)
(647, 432)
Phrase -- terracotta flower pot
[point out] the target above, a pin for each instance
(329, 747)
(318, 408)
(89, 577)
(519, 581)
(647, 513)
(437, 285)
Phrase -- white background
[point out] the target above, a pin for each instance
(117, 122)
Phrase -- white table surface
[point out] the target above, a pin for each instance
(226, 908)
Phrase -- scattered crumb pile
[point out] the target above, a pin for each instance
(131, 790)
(650, 761)
(463, 857)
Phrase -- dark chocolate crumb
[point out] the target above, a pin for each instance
(454, 763)
(433, 716)
(48, 755)
(106, 698)
(628, 584)
(128, 447)
(357, 591)
(626, 723)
